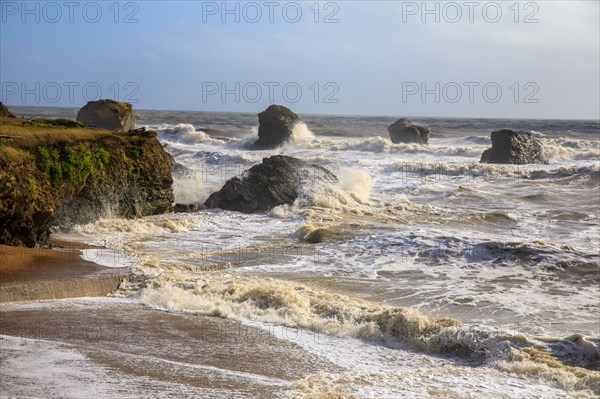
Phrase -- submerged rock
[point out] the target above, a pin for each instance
(406, 131)
(275, 127)
(276, 181)
(107, 114)
(4, 112)
(510, 147)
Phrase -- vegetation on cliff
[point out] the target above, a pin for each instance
(57, 173)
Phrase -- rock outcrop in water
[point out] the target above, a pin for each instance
(57, 176)
(276, 181)
(406, 131)
(510, 147)
(4, 112)
(107, 114)
(275, 127)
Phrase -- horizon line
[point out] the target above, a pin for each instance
(335, 115)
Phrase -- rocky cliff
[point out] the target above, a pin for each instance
(53, 175)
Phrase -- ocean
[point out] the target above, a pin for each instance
(421, 273)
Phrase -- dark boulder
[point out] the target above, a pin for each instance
(107, 114)
(4, 112)
(406, 131)
(510, 147)
(276, 181)
(275, 127)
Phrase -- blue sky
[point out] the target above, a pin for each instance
(496, 59)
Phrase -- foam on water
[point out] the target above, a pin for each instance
(192, 188)
(183, 133)
(410, 240)
(351, 190)
(135, 226)
(301, 133)
(298, 305)
(108, 257)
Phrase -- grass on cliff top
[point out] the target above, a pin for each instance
(18, 136)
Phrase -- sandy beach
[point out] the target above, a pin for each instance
(107, 347)
(114, 347)
(39, 273)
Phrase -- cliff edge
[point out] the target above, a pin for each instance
(54, 173)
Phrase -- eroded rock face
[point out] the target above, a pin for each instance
(276, 181)
(276, 124)
(107, 114)
(406, 131)
(510, 147)
(4, 112)
(63, 184)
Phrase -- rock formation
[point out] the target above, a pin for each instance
(275, 127)
(406, 131)
(276, 181)
(510, 147)
(55, 181)
(107, 114)
(4, 112)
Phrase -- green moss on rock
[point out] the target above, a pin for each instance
(48, 183)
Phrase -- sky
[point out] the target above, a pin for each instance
(502, 59)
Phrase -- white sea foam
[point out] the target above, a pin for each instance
(298, 305)
(183, 133)
(351, 190)
(301, 133)
(193, 188)
(406, 225)
(108, 257)
(135, 226)
(356, 182)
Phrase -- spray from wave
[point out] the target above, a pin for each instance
(192, 188)
(183, 133)
(347, 194)
(301, 133)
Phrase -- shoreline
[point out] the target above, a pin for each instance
(113, 347)
(30, 274)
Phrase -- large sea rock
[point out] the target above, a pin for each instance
(4, 112)
(510, 147)
(55, 183)
(276, 181)
(275, 127)
(107, 114)
(406, 131)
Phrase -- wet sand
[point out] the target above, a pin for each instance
(39, 273)
(112, 347)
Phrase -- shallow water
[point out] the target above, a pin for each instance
(511, 252)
